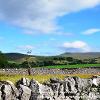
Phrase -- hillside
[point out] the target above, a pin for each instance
(14, 56)
(20, 60)
(86, 55)
(18, 57)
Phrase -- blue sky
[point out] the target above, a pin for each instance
(49, 27)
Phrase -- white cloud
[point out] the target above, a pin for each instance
(40, 15)
(91, 31)
(76, 46)
(64, 33)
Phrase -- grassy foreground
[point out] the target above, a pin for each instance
(40, 78)
(75, 66)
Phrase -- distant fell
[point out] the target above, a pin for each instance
(85, 55)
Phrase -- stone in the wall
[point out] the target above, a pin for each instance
(23, 81)
(24, 93)
(8, 91)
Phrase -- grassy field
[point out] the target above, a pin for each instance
(40, 78)
(75, 66)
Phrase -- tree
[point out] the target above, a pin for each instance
(27, 59)
(70, 59)
(3, 60)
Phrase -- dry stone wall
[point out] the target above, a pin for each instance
(52, 71)
(71, 88)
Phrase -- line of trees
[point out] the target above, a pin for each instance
(51, 61)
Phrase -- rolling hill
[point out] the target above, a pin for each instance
(16, 57)
(19, 57)
(85, 55)
(58, 60)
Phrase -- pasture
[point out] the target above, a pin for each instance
(74, 66)
(41, 78)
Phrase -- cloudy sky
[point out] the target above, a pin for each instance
(49, 27)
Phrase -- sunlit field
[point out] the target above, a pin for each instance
(75, 66)
(41, 78)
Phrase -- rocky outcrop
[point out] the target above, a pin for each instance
(71, 88)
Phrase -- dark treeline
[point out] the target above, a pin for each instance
(44, 61)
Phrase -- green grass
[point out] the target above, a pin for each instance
(74, 66)
(40, 77)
